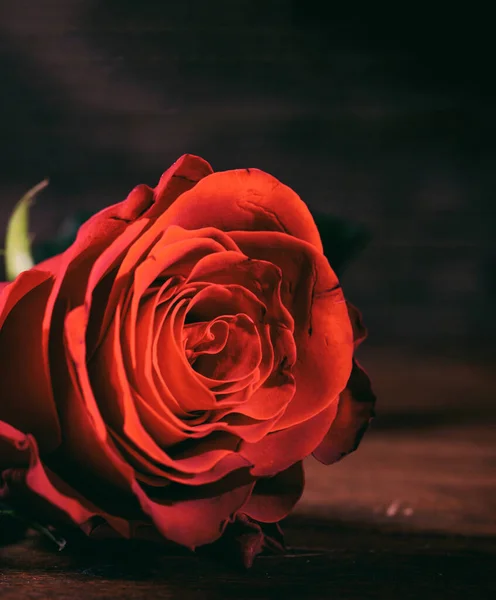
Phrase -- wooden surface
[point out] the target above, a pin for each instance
(412, 514)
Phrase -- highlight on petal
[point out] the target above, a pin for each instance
(245, 200)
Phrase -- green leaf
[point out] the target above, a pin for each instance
(18, 257)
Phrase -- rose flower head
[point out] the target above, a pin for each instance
(168, 373)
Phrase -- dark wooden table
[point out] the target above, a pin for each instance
(412, 514)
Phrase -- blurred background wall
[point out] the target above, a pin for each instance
(385, 119)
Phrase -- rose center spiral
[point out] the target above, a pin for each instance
(225, 349)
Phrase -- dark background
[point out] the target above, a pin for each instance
(383, 118)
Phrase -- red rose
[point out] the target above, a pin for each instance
(174, 366)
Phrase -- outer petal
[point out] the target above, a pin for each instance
(141, 202)
(197, 517)
(35, 484)
(52, 264)
(322, 328)
(245, 200)
(201, 516)
(12, 293)
(116, 403)
(98, 233)
(14, 451)
(275, 497)
(359, 329)
(183, 175)
(279, 450)
(26, 396)
(355, 411)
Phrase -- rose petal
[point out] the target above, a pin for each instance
(114, 395)
(210, 302)
(156, 251)
(14, 449)
(322, 329)
(359, 329)
(183, 175)
(201, 516)
(117, 405)
(260, 277)
(236, 356)
(275, 497)
(355, 411)
(179, 257)
(27, 399)
(36, 479)
(270, 400)
(204, 467)
(171, 364)
(304, 269)
(144, 330)
(207, 337)
(12, 292)
(162, 422)
(142, 201)
(193, 521)
(279, 450)
(175, 250)
(164, 426)
(101, 230)
(247, 200)
(324, 360)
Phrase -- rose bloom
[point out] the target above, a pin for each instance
(170, 371)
